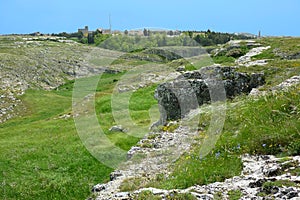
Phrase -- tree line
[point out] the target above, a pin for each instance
(124, 42)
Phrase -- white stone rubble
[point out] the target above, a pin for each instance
(256, 171)
(246, 59)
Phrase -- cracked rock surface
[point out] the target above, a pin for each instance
(257, 170)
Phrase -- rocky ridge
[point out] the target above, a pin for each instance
(255, 182)
(246, 59)
(257, 170)
(158, 151)
(192, 89)
(294, 80)
(233, 49)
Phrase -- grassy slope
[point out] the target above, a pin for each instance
(42, 156)
(269, 125)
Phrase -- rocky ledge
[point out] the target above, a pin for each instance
(283, 86)
(192, 89)
(246, 59)
(262, 177)
(257, 181)
(151, 156)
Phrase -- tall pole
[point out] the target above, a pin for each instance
(109, 23)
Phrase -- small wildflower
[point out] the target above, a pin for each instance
(218, 154)
(264, 145)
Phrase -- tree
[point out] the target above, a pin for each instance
(99, 38)
(171, 33)
(198, 39)
(91, 38)
(80, 35)
(146, 32)
(84, 40)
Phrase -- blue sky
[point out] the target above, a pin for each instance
(272, 17)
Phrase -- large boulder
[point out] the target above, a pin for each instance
(195, 88)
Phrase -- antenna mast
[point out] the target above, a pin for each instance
(109, 18)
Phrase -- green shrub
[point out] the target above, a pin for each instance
(235, 194)
(146, 195)
(132, 184)
(235, 53)
(170, 128)
(180, 196)
(223, 60)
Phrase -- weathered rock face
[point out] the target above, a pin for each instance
(192, 89)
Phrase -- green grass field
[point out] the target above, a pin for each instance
(42, 156)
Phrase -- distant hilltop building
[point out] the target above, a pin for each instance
(84, 31)
(140, 32)
(147, 32)
(104, 31)
(36, 34)
(136, 32)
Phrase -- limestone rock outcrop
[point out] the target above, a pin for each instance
(210, 84)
